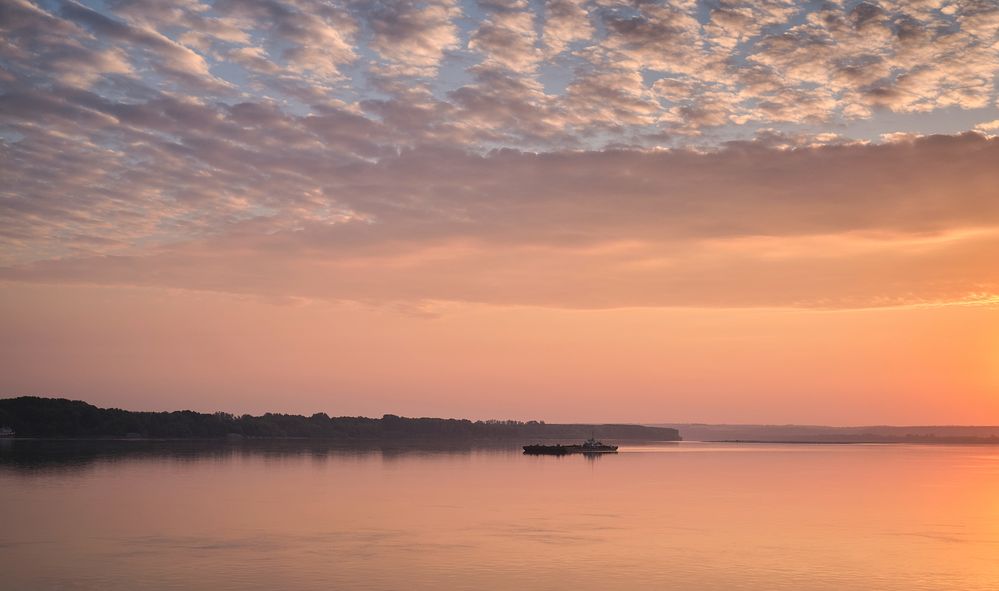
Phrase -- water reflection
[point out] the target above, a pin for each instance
(303, 515)
(29, 456)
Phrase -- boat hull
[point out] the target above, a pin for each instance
(561, 450)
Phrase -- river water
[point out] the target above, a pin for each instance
(688, 516)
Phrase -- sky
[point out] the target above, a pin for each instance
(569, 210)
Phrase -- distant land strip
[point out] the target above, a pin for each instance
(882, 440)
(818, 434)
(59, 418)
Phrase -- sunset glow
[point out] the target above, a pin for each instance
(766, 211)
(493, 295)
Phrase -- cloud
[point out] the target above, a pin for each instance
(167, 56)
(508, 39)
(503, 108)
(412, 35)
(309, 37)
(660, 37)
(38, 44)
(730, 23)
(835, 226)
(566, 21)
(867, 56)
(610, 97)
(618, 73)
(988, 127)
(356, 150)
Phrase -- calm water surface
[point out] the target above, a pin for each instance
(690, 516)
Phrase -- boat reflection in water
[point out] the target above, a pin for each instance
(590, 446)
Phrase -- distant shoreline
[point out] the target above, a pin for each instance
(479, 442)
(32, 417)
(60, 418)
(937, 441)
(819, 434)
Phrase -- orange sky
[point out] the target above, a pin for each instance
(150, 348)
(740, 211)
(849, 284)
(831, 284)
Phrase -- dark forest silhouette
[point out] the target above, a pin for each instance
(32, 416)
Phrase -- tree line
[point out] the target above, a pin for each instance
(32, 416)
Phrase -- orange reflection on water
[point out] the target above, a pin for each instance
(688, 516)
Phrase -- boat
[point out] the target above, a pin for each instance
(590, 446)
